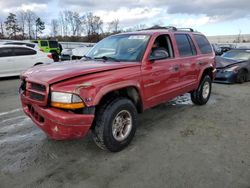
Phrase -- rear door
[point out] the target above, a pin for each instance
(6, 61)
(25, 58)
(187, 55)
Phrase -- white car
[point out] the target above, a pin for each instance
(14, 59)
(21, 43)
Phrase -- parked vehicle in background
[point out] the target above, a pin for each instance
(233, 66)
(78, 53)
(21, 43)
(74, 54)
(226, 47)
(217, 49)
(66, 55)
(121, 76)
(14, 59)
(50, 46)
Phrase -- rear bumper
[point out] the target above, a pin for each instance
(56, 123)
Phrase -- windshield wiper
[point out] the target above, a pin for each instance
(106, 58)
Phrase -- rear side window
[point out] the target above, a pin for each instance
(23, 51)
(6, 52)
(203, 44)
(44, 43)
(53, 44)
(185, 45)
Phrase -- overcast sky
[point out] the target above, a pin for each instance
(212, 17)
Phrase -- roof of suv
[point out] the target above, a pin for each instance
(164, 30)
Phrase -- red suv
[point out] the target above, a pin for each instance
(120, 77)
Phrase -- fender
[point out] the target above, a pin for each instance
(208, 66)
(116, 86)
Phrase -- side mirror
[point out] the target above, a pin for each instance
(158, 54)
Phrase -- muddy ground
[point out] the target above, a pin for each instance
(177, 144)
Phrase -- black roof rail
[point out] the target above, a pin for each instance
(156, 27)
(185, 29)
(161, 27)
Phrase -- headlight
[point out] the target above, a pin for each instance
(232, 69)
(66, 100)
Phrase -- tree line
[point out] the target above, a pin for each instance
(69, 26)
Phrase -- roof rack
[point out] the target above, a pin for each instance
(185, 29)
(170, 28)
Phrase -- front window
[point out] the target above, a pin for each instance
(126, 47)
(237, 54)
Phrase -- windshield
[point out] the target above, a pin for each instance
(125, 47)
(237, 54)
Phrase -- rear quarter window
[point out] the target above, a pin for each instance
(203, 44)
(53, 44)
(23, 51)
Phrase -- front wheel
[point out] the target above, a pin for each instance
(202, 94)
(241, 76)
(115, 124)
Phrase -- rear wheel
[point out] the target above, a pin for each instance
(202, 94)
(241, 76)
(115, 124)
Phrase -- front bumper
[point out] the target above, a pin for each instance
(56, 123)
(225, 77)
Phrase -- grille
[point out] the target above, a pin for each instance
(37, 96)
(36, 92)
(38, 87)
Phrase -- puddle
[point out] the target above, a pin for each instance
(181, 100)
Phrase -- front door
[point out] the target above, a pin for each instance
(160, 76)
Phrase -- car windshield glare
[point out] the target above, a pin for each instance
(237, 54)
(125, 47)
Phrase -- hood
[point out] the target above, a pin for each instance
(55, 72)
(222, 62)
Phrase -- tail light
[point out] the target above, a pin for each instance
(50, 56)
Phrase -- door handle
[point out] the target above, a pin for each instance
(199, 63)
(174, 68)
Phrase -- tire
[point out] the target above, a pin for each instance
(202, 94)
(55, 56)
(108, 130)
(241, 76)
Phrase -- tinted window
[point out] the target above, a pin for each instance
(203, 44)
(23, 51)
(6, 52)
(44, 43)
(192, 45)
(53, 44)
(185, 45)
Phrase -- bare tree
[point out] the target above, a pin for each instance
(113, 26)
(30, 19)
(74, 21)
(63, 23)
(21, 16)
(54, 27)
(93, 24)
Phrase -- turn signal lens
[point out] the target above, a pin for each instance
(68, 105)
